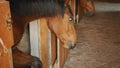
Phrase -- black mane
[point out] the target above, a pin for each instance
(37, 7)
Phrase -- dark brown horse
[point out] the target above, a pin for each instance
(23, 60)
(59, 18)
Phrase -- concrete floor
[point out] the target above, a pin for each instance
(98, 44)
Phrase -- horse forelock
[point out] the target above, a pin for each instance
(69, 8)
(37, 7)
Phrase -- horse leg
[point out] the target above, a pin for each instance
(37, 63)
(23, 60)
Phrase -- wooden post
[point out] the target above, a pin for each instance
(76, 9)
(34, 38)
(63, 55)
(6, 36)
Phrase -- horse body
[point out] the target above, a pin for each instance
(58, 17)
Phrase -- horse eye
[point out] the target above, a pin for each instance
(70, 18)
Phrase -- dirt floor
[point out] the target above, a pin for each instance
(98, 44)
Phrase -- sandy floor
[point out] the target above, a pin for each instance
(98, 44)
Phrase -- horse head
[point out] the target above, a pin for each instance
(63, 27)
(88, 6)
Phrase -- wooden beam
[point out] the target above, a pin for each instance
(34, 38)
(6, 36)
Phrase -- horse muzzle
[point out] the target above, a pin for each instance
(70, 45)
(90, 13)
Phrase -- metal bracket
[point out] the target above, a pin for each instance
(9, 21)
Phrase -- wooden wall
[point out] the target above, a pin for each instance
(6, 35)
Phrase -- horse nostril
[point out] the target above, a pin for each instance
(69, 43)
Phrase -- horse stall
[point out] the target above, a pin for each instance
(6, 35)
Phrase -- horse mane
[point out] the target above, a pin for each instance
(43, 8)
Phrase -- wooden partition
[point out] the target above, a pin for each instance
(49, 50)
(76, 9)
(6, 35)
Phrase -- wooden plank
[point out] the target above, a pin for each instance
(76, 9)
(6, 36)
(58, 54)
(34, 38)
(79, 11)
(44, 43)
(6, 28)
(6, 59)
(50, 52)
(63, 55)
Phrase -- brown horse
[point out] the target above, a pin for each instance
(60, 19)
(23, 60)
(84, 7)
(87, 6)
(57, 14)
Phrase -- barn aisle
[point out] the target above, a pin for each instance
(98, 44)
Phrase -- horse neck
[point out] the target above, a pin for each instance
(44, 8)
(22, 18)
(20, 23)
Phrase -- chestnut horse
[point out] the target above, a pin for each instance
(23, 60)
(84, 7)
(59, 19)
(87, 6)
